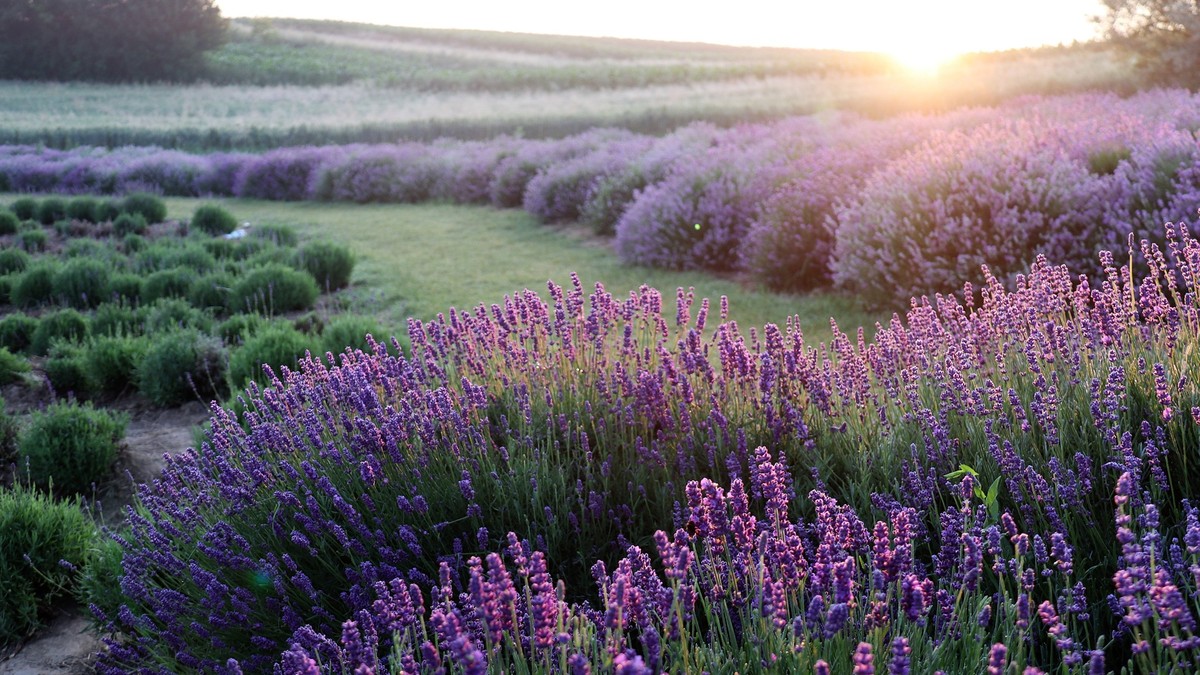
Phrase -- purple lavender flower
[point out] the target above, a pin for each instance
(996, 659)
(900, 657)
(863, 659)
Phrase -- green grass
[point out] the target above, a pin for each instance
(419, 260)
(282, 51)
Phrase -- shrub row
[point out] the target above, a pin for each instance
(798, 204)
(50, 210)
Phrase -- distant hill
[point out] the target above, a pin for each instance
(308, 52)
(287, 82)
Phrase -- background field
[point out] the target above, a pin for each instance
(419, 260)
(302, 82)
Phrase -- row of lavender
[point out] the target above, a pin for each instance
(888, 209)
(588, 483)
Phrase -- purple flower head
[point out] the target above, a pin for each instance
(630, 663)
(900, 657)
(996, 659)
(863, 659)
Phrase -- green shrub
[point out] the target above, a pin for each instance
(68, 371)
(351, 331)
(182, 365)
(330, 264)
(82, 283)
(34, 241)
(238, 328)
(7, 281)
(132, 243)
(269, 254)
(125, 286)
(276, 345)
(112, 361)
(126, 224)
(72, 228)
(245, 249)
(65, 324)
(221, 249)
(213, 220)
(8, 222)
(16, 331)
(51, 210)
(169, 314)
(150, 207)
(35, 286)
(24, 208)
(12, 367)
(81, 247)
(153, 258)
(100, 579)
(191, 256)
(10, 431)
(36, 533)
(115, 318)
(280, 235)
(273, 289)
(107, 211)
(13, 260)
(309, 323)
(169, 283)
(71, 445)
(211, 291)
(83, 208)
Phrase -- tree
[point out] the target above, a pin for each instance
(107, 40)
(1162, 35)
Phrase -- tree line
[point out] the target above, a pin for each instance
(107, 40)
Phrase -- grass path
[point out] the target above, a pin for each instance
(418, 260)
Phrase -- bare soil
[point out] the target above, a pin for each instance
(65, 646)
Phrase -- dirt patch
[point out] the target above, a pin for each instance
(65, 645)
(152, 434)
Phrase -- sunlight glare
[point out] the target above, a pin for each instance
(923, 60)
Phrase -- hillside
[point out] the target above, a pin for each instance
(290, 82)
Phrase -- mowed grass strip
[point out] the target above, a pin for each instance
(419, 260)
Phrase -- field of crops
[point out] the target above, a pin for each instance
(588, 482)
(885, 209)
(316, 82)
(656, 464)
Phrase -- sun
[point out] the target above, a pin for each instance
(925, 60)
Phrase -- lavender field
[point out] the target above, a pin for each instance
(1003, 478)
(590, 483)
(886, 209)
(633, 338)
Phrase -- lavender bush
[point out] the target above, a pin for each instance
(936, 498)
(285, 175)
(403, 173)
(560, 192)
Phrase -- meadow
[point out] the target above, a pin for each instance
(413, 261)
(618, 431)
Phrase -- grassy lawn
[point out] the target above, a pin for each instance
(418, 260)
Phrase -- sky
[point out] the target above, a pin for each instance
(912, 30)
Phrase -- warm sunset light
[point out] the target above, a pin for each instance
(920, 33)
(925, 62)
